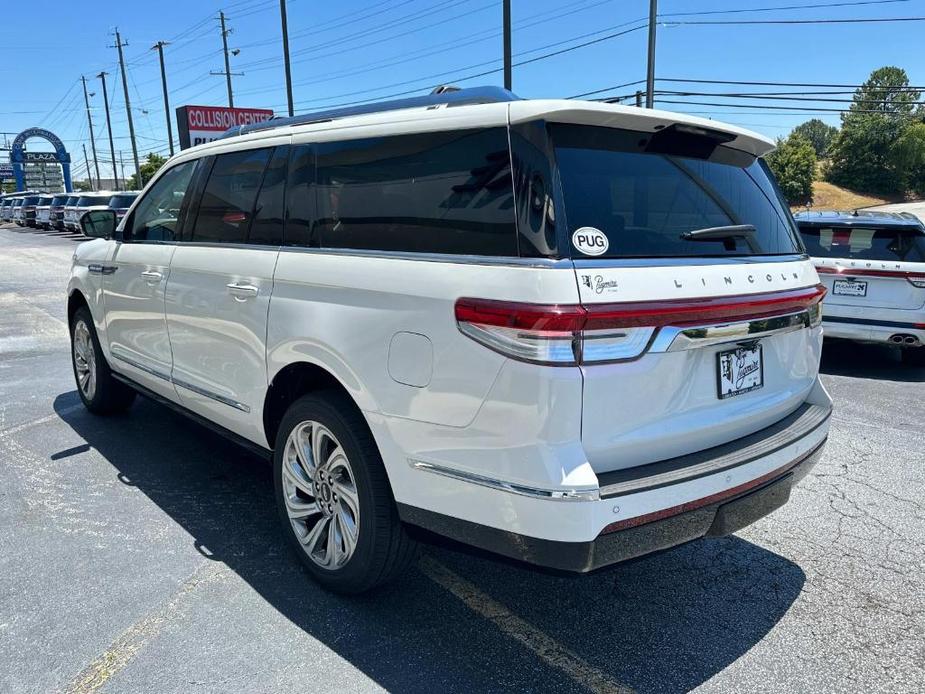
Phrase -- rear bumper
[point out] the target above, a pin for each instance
(639, 510)
(873, 329)
(714, 518)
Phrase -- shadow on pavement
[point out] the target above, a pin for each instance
(665, 623)
(860, 360)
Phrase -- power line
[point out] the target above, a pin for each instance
(869, 20)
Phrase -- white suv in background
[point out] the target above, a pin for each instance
(873, 265)
(567, 332)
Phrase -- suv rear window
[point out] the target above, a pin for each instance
(59, 200)
(90, 200)
(121, 201)
(865, 243)
(645, 202)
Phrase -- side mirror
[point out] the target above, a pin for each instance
(98, 224)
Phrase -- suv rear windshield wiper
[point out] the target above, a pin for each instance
(724, 232)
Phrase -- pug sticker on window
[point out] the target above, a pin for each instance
(590, 241)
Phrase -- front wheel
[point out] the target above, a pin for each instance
(334, 498)
(99, 391)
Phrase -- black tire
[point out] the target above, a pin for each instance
(383, 548)
(914, 356)
(108, 396)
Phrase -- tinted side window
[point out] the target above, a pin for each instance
(300, 197)
(155, 218)
(534, 190)
(430, 192)
(227, 205)
(267, 227)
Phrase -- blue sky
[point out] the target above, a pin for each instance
(356, 50)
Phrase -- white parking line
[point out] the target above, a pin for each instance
(543, 646)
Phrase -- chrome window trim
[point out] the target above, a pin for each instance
(502, 485)
(456, 258)
(182, 384)
(684, 261)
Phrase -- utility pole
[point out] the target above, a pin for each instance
(128, 103)
(160, 54)
(285, 23)
(506, 5)
(96, 164)
(221, 16)
(639, 98)
(112, 147)
(122, 167)
(87, 162)
(650, 67)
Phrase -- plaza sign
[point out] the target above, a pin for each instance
(197, 125)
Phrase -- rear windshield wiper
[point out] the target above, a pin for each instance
(730, 231)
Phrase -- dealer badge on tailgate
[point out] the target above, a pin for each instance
(739, 370)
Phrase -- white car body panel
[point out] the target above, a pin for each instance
(218, 334)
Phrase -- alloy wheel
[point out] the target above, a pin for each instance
(321, 495)
(84, 360)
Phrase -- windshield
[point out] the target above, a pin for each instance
(59, 200)
(865, 243)
(119, 201)
(646, 203)
(30, 200)
(44, 201)
(73, 200)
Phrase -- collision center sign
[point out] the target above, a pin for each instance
(199, 124)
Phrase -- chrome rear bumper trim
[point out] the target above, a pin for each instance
(798, 425)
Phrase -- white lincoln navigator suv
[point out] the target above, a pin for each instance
(567, 332)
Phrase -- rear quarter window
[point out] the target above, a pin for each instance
(445, 192)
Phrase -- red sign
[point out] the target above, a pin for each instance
(200, 124)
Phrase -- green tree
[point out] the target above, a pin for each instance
(862, 155)
(81, 186)
(794, 166)
(819, 134)
(908, 157)
(148, 169)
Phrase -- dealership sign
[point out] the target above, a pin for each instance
(200, 124)
(6, 171)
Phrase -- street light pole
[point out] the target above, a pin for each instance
(285, 28)
(160, 54)
(650, 67)
(112, 147)
(96, 164)
(508, 77)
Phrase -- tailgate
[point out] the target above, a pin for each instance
(902, 287)
(699, 382)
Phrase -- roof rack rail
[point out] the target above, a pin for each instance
(443, 95)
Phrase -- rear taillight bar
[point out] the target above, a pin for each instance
(916, 279)
(570, 334)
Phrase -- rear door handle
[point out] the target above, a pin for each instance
(152, 276)
(241, 291)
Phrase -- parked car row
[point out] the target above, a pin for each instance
(61, 211)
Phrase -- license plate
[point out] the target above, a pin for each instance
(850, 288)
(739, 370)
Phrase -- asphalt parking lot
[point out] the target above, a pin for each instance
(141, 553)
